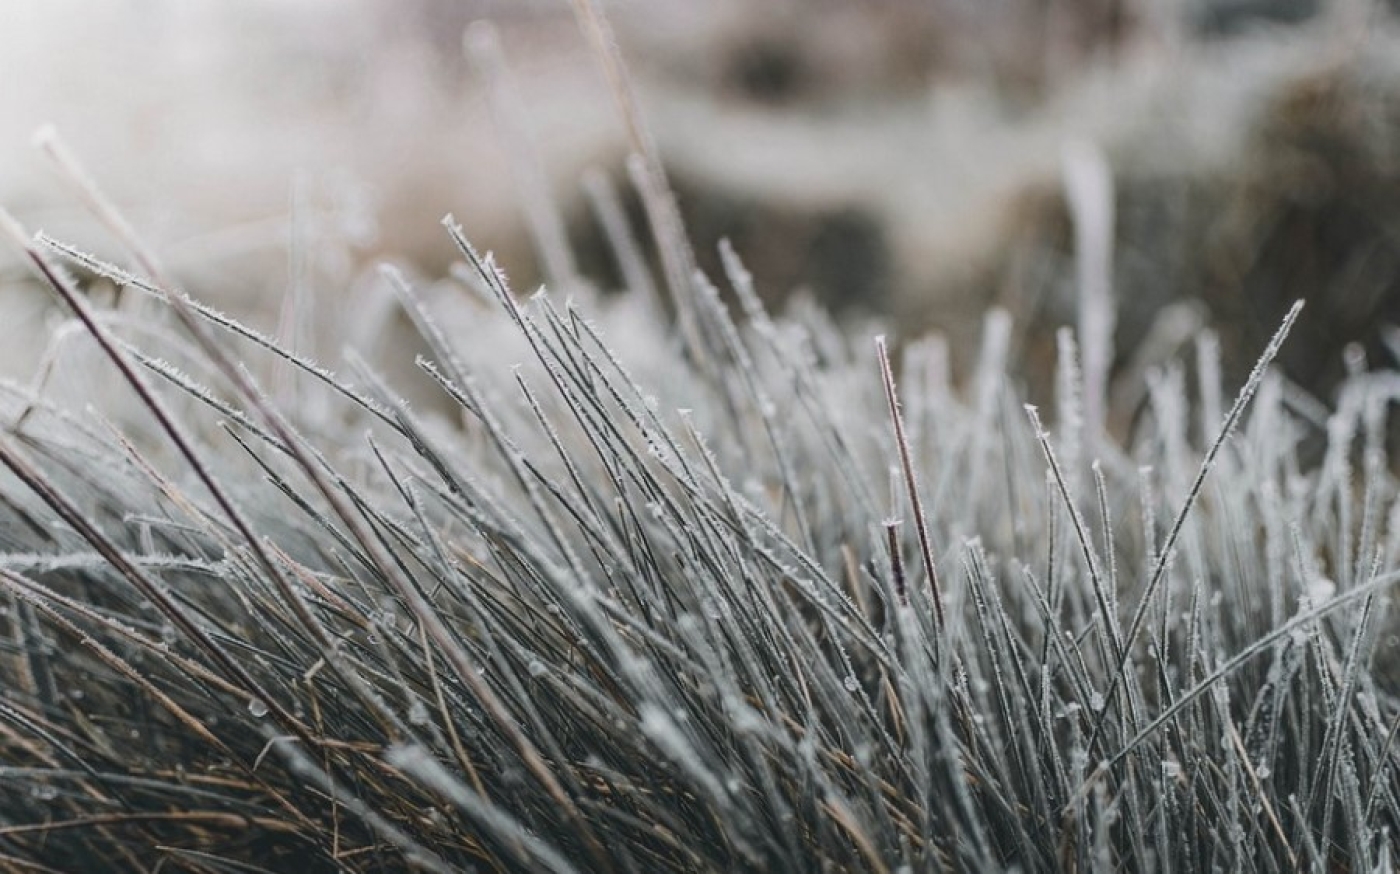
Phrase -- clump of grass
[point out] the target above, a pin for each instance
(772, 613)
(778, 603)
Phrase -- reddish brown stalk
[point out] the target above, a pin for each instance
(910, 481)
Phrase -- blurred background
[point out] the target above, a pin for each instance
(891, 158)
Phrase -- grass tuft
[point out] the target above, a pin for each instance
(653, 609)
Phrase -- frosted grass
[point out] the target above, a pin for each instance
(616, 622)
(765, 601)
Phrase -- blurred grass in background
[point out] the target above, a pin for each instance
(895, 158)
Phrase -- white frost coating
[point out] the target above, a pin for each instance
(11, 228)
(663, 731)
(1088, 185)
(418, 762)
(1319, 590)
